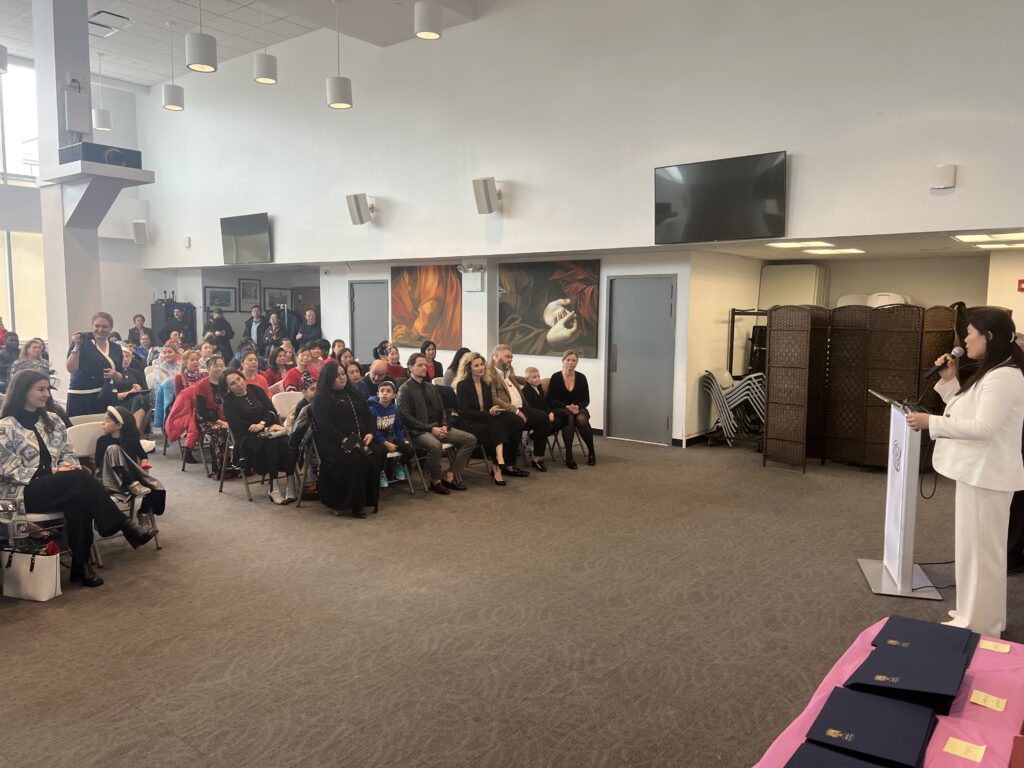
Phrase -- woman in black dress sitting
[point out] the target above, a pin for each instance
(261, 441)
(38, 466)
(350, 460)
(478, 414)
(568, 389)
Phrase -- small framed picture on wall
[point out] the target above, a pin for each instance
(248, 294)
(277, 297)
(223, 299)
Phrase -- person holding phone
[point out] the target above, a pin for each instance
(978, 444)
(96, 365)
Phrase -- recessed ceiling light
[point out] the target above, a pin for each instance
(806, 244)
(1003, 236)
(993, 246)
(833, 251)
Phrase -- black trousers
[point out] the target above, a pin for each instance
(536, 421)
(83, 501)
(1015, 534)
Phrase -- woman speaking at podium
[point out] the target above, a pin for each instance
(978, 444)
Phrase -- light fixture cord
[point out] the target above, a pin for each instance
(200, 17)
(171, 28)
(337, 27)
(99, 59)
(263, 23)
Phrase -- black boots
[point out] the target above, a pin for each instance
(85, 575)
(135, 534)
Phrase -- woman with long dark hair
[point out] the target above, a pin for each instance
(123, 466)
(279, 362)
(210, 412)
(434, 367)
(258, 432)
(39, 467)
(978, 444)
(350, 460)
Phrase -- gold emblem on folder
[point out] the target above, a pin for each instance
(899, 643)
(887, 679)
(835, 733)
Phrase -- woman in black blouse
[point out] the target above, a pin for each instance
(478, 414)
(210, 413)
(568, 389)
(260, 439)
(434, 368)
(350, 460)
(95, 364)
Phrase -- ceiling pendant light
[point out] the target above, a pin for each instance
(201, 48)
(264, 65)
(427, 20)
(339, 89)
(3, 59)
(101, 117)
(174, 95)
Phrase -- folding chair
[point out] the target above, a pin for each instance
(408, 474)
(87, 418)
(230, 449)
(309, 458)
(204, 442)
(284, 403)
(447, 451)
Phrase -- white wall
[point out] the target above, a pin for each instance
(19, 209)
(1004, 270)
(927, 282)
(718, 282)
(270, 277)
(572, 104)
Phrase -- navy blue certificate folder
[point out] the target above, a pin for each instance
(883, 731)
(914, 634)
(921, 676)
(812, 756)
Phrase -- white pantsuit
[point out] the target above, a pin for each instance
(978, 444)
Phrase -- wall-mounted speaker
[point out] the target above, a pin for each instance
(360, 209)
(488, 196)
(140, 231)
(944, 176)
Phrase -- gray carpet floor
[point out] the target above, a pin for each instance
(666, 608)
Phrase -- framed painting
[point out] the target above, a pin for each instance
(224, 299)
(249, 294)
(277, 297)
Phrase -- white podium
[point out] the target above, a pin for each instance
(896, 574)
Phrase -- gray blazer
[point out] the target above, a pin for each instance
(19, 449)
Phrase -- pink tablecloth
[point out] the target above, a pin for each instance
(1000, 674)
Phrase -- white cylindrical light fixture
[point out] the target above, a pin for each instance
(174, 97)
(201, 52)
(3, 59)
(264, 68)
(339, 92)
(427, 20)
(101, 120)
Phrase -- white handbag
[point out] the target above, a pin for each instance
(29, 576)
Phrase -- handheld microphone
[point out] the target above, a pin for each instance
(954, 353)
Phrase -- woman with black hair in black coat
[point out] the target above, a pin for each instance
(350, 460)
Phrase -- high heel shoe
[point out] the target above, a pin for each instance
(591, 460)
(85, 575)
(570, 463)
(497, 481)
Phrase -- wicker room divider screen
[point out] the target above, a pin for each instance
(795, 415)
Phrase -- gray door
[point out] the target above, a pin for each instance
(641, 358)
(370, 318)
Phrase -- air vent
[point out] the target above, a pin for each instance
(106, 24)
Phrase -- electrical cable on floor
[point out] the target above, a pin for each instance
(927, 586)
(944, 562)
(926, 460)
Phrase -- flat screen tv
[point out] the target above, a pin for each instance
(737, 198)
(246, 239)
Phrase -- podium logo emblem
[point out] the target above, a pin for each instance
(897, 455)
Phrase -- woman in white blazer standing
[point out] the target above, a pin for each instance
(978, 444)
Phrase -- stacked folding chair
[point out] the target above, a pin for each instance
(740, 404)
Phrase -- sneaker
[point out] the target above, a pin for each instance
(400, 472)
(383, 480)
(138, 489)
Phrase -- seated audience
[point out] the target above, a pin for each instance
(390, 433)
(255, 426)
(453, 369)
(274, 335)
(568, 389)
(218, 332)
(123, 466)
(250, 370)
(279, 362)
(434, 368)
(95, 364)
(299, 378)
(191, 372)
(377, 374)
(210, 412)
(31, 358)
(321, 351)
(133, 394)
(424, 418)
(336, 346)
(206, 348)
(38, 466)
(350, 461)
(345, 357)
(145, 349)
(138, 330)
(310, 330)
(479, 415)
(508, 395)
(535, 398)
(161, 382)
(395, 369)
